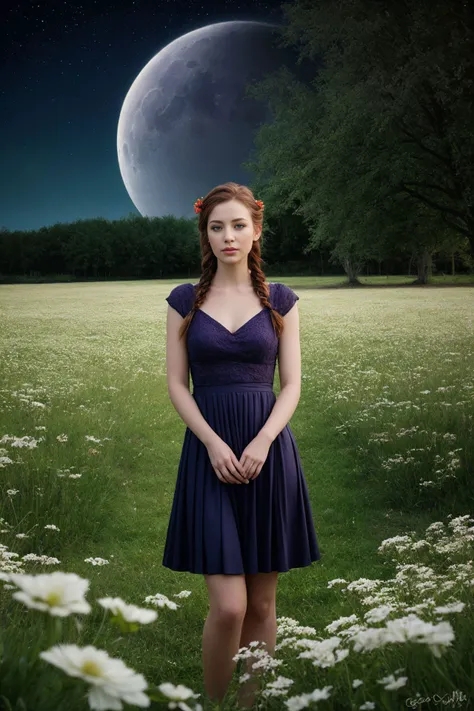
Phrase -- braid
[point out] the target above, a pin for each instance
(262, 289)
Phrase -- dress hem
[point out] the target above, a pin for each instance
(242, 572)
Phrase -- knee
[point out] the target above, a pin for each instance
(229, 612)
(260, 610)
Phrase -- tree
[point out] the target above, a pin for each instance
(382, 138)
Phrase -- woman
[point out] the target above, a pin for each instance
(238, 537)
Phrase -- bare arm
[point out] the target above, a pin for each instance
(177, 375)
(289, 366)
(188, 410)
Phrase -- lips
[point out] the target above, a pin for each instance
(229, 251)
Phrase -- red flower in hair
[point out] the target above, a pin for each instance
(198, 205)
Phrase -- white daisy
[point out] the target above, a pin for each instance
(58, 593)
(130, 613)
(111, 680)
(179, 693)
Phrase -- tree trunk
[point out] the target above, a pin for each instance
(423, 263)
(352, 270)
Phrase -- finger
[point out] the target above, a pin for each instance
(232, 475)
(245, 472)
(239, 470)
(259, 469)
(245, 476)
(253, 469)
(241, 476)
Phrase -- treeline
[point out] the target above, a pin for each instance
(367, 168)
(139, 247)
(167, 247)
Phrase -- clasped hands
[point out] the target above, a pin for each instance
(228, 468)
(255, 455)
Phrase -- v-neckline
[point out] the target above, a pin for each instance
(232, 333)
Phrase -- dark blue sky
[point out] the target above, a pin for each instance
(66, 70)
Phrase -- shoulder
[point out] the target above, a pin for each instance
(283, 297)
(181, 298)
(182, 289)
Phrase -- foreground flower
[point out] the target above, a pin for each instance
(405, 629)
(303, 701)
(179, 694)
(161, 601)
(112, 681)
(60, 594)
(128, 613)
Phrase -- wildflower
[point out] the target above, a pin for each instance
(128, 613)
(178, 693)
(161, 601)
(111, 680)
(58, 593)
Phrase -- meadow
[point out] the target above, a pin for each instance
(89, 450)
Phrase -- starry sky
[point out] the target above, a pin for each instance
(66, 69)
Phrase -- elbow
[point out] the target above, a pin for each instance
(174, 388)
(293, 388)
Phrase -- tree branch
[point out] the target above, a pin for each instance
(420, 143)
(450, 193)
(455, 226)
(431, 203)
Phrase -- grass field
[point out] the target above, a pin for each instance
(384, 428)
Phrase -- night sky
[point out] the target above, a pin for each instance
(66, 69)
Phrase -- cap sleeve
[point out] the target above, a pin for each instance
(180, 299)
(286, 298)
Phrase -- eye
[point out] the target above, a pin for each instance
(218, 228)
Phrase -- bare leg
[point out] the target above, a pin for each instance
(259, 625)
(262, 630)
(222, 629)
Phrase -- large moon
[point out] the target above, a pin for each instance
(186, 124)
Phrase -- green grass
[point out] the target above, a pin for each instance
(93, 355)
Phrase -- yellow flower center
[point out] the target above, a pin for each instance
(53, 599)
(91, 668)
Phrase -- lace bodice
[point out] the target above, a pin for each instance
(217, 356)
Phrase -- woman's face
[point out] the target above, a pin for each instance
(230, 225)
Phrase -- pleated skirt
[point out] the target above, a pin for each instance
(225, 528)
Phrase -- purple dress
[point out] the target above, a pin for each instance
(228, 528)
